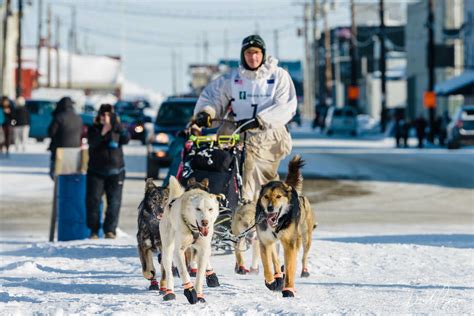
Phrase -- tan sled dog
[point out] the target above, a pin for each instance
(242, 220)
(284, 215)
(187, 221)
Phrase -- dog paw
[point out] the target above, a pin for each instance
(241, 270)
(276, 285)
(288, 293)
(201, 299)
(212, 280)
(305, 273)
(192, 272)
(191, 295)
(254, 271)
(149, 275)
(169, 297)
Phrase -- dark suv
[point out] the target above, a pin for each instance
(461, 129)
(173, 116)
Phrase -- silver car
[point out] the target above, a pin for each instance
(460, 130)
(341, 120)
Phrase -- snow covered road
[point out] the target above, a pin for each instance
(104, 277)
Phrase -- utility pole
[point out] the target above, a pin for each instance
(308, 84)
(40, 41)
(173, 71)
(275, 39)
(4, 46)
(18, 51)
(430, 97)
(71, 46)
(58, 58)
(353, 92)
(315, 46)
(327, 50)
(49, 45)
(205, 47)
(382, 66)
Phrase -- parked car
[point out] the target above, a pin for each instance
(341, 120)
(173, 116)
(460, 130)
(133, 118)
(40, 117)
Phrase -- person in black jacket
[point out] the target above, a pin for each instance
(7, 125)
(106, 170)
(22, 124)
(65, 129)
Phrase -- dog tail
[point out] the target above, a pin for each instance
(294, 176)
(176, 190)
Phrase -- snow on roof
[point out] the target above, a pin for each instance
(88, 71)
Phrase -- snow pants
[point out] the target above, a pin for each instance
(112, 185)
(264, 151)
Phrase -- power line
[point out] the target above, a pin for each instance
(169, 14)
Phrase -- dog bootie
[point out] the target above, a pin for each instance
(305, 273)
(169, 296)
(241, 270)
(211, 279)
(254, 271)
(192, 272)
(276, 285)
(201, 298)
(154, 285)
(288, 292)
(191, 295)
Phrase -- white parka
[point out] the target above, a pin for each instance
(272, 89)
(274, 113)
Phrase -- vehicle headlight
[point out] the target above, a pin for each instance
(162, 138)
(139, 129)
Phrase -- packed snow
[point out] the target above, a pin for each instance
(413, 256)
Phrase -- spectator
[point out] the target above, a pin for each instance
(442, 123)
(65, 129)
(22, 125)
(406, 132)
(106, 170)
(7, 125)
(420, 126)
(398, 131)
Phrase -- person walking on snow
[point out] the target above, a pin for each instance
(22, 125)
(262, 100)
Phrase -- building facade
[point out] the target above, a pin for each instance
(449, 52)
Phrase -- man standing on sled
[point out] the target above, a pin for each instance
(262, 100)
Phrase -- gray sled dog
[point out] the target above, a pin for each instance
(150, 212)
(188, 221)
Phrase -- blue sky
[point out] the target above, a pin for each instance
(145, 32)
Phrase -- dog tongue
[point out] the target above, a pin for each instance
(204, 231)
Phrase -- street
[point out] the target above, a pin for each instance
(394, 226)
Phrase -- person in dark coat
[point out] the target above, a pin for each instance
(420, 126)
(22, 124)
(398, 131)
(7, 125)
(406, 132)
(65, 129)
(106, 170)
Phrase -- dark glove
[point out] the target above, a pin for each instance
(203, 119)
(248, 124)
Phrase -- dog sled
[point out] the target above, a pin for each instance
(220, 160)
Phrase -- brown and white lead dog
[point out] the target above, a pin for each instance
(188, 221)
(286, 216)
